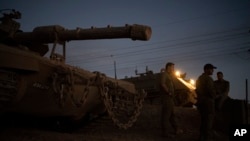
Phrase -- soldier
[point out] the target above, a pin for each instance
(222, 89)
(167, 92)
(206, 101)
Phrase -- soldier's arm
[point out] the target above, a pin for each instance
(211, 88)
(163, 83)
(197, 85)
(227, 88)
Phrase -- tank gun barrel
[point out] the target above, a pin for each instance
(50, 34)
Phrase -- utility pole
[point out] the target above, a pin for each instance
(115, 69)
(247, 100)
(114, 66)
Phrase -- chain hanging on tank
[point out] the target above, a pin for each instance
(122, 106)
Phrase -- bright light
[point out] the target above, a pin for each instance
(192, 82)
(177, 73)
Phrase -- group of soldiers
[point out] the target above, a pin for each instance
(210, 97)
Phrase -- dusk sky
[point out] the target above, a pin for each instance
(189, 33)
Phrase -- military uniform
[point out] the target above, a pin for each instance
(206, 104)
(222, 89)
(167, 118)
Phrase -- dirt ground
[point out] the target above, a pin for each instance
(146, 128)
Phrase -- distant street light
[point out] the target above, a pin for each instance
(192, 82)
(177, 73)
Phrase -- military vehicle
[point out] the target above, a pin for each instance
(150, 82)
(33, 84)
(232, 113)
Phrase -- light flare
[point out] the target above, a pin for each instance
(192, 82)
(177, 73)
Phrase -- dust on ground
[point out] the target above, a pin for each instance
(146, 128)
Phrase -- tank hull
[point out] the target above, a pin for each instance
(150, 82)
(30, 84)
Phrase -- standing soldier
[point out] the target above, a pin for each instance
(206, 101)
(167, 92)
(222, 89)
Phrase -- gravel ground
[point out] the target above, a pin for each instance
(146, 128)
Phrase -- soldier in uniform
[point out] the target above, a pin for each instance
(222, 89)
(167, 91)
(206, 101)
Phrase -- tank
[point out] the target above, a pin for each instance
(149, 81)
(33, 84)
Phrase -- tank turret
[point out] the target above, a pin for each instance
(36, 85)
